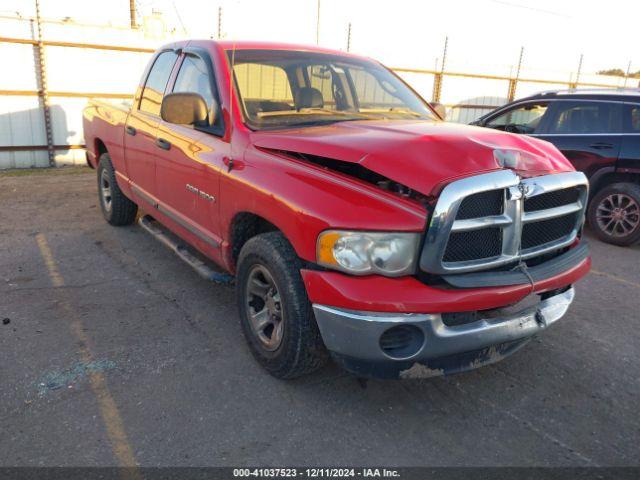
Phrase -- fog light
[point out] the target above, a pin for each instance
(402, 341)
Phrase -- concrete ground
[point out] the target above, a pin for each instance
(116, 352)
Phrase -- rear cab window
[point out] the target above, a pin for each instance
(265, 88)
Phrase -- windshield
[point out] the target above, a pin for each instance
(280, 89)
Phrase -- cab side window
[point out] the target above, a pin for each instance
(193, 77)
(156, 83)
(570, 118)
(523, 119)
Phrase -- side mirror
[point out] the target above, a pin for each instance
(440, 110)
(184, 108)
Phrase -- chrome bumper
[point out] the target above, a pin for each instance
(356, 334)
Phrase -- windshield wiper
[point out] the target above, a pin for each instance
(328, 111)
(404, 111)
(326, 121)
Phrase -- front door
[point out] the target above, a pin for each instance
(521, 118)
(190, 157)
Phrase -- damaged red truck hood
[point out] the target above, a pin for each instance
(422, 155)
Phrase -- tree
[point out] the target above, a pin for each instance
(618, 72)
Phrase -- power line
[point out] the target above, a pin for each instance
(534, 9)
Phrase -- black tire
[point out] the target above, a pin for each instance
(626, 198)
(300, 350)
(117, 209)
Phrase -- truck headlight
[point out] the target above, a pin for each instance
(362, 253)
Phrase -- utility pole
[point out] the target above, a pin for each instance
(132, 13)
(219, 23)
(318, 25)
(41, 77)
(349, 38)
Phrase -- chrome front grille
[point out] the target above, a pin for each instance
(498, 218)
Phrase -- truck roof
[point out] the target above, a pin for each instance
(261, 45)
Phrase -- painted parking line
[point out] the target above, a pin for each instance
(108, 409)
(615, 278)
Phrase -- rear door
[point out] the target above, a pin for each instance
(587, 132)
(142, 125)
(189, 158)
(629, 160)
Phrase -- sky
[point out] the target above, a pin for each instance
(485, 36)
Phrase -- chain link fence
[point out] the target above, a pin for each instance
(51, 80)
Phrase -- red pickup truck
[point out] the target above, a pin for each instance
(357, 224)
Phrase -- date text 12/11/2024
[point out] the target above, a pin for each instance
(315, 473)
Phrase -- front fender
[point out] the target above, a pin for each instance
(303, 199)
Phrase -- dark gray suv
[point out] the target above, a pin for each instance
(599, 132)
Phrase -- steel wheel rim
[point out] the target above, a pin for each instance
(264, 308)
(618, 215)
(105, 190)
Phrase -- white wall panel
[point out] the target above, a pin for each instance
(18, 67)
(21, 121)
(87, 70)
(66, 119)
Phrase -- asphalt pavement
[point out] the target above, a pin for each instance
(114, 352)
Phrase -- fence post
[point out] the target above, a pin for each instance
(513, 82)
(318, 24)
(577, 82)
(132, 13)
(437, 87)
(626, 77)
(438, 77)
(43, 93)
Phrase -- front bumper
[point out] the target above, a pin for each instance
(375, 293)
(354, 338)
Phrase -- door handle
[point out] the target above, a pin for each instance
(601, 146)
(163, 144)
(130, 130)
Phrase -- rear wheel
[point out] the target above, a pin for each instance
(614, 214)
(275, 312)
(116, 208)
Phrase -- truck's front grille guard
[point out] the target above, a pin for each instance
(443, 221)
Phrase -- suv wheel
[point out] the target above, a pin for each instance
(614, 214)
(116, 208)
(275, 312)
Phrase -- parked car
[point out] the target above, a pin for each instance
(599, 132)
(354, 220)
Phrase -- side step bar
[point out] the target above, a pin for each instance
(182, 251)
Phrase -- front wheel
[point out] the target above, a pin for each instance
(614, 214)
(116, 208)
(275, 312)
